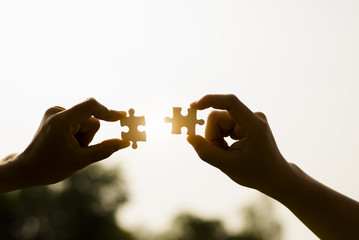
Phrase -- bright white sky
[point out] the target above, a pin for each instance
(297, 61)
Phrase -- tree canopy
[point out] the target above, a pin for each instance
(84, 207)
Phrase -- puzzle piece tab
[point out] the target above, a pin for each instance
(132, 123)
(178, 121)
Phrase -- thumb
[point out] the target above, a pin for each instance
(209, 153)
(104, 149)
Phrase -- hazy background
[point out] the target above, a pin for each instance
(297, 61)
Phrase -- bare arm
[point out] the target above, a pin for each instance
(329, 214)
(61, 146)
(256, 162)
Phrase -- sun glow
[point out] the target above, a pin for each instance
(157, 130)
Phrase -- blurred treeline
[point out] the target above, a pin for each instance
(84, 207)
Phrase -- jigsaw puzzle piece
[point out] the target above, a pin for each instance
(134, 137)
(132, 122)
(178, 121)
(191, 121)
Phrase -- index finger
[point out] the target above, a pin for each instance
(91, 107)
(239, 112)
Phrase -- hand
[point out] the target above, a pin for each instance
(61, 145)
(254, 159)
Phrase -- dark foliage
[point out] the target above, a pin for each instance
(84, 207)
(81, 207)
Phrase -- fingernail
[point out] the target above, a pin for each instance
(126, 144)
(121, 114)
(193, 104)
(189, 139)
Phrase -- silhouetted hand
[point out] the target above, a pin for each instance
(61, 145)
(254, 159)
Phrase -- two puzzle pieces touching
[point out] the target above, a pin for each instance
(178, 121)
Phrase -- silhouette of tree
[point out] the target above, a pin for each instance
(81, 207)
(259, 222)
(259, 225)
(84, 207)
(189, 227)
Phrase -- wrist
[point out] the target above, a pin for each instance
(8, 173)
(285, 180)
(12, 173)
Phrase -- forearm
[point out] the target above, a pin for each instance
(329, 214)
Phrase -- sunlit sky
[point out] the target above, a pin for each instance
(297, 61)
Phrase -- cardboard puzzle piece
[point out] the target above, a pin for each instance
(132, 123)
(178, 121)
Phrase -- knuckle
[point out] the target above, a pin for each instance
(51, 111)
(52, 116)
(261, 115)
(91, 101)
(213, 114)
(53, 120)
(262, 125)
(232, 98)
